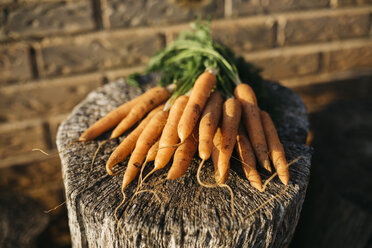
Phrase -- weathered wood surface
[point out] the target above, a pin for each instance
(187, 216)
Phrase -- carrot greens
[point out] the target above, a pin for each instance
(191, 53)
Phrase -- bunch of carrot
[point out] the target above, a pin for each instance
(201, 105)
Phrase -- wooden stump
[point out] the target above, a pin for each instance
(188, 215)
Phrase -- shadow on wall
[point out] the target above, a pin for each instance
(337, 211)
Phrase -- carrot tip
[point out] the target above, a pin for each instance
(257, 186)
(267, 166)
(110, 172)
(170, 177)
(284, 180)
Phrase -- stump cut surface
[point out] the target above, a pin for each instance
(187, 215)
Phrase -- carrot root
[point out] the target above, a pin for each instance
(54, 208)
(121, 204)
(266, 202)
(231, 195)
(183, 156)
(57, 153)
(194, 107)
(206, 185)
(92, 163)
(252, 120)
(128, 144)
(277, 195)
(275, 147)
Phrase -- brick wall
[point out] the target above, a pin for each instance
(53, 52)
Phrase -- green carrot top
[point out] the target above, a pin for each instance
(191, 53)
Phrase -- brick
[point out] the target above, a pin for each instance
(291, 5)
(325, 27)
(246, 7)
(172, 32)
(343, 3)
(317, 96)
(45, 98)
(245, 35)
(49, 18)
(2, 23)
(349, 58)
(364, 2)
(134, 13)
(281, 63)
(63, 56)
(4, 2)
(18, 139)
(53, 124)
(112, 75)
(320, 78)
(14, 63)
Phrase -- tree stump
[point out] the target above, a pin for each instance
(187, 215)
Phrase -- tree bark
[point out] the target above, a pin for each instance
(187, 215)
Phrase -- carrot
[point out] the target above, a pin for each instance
(199, 96)
(128, 144)
(169, 137)
(183, 156)
(216, 151)
(147, 138)
(246, 155)
(207, 128)
(252, 121)
(231, 114)
(108, 121)
(276, 149)
(208, 124)
(152, 152)
(149, 100)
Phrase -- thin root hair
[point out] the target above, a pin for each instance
(57, 153)
(206, 185)
(266, 202)
(54, 208)
(91, 165)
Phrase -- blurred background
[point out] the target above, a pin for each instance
(53, 53)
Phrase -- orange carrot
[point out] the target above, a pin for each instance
(208, 124)
(252, 121)
(169, 137)
(217, 144)
(199, 96)
(128, 144)
(246, 155)
(147, 138)
(150, 100)
(276, 149)
(216, 155)
(230, 123)
(183, 156)
(151, 155)
(108, 121)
